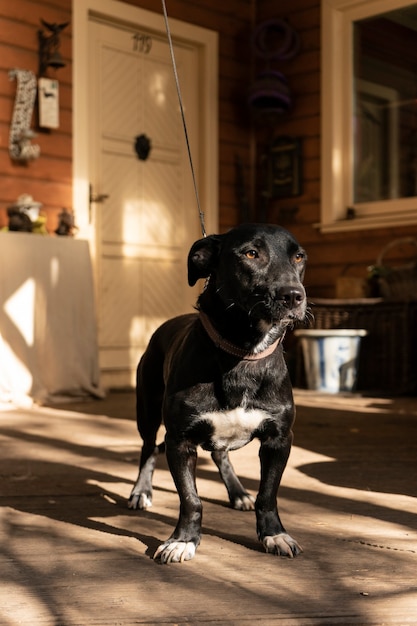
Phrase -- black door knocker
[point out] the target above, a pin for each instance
(143, 146)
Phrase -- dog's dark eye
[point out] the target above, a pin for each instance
(299, 257)
(251, 254)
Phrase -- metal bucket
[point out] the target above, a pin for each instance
(331, 358)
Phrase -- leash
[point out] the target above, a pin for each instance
(177, 83)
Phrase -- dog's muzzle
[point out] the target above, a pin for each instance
(291, 297)
(288, 302)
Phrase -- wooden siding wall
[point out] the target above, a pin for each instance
(49, 178)
(329, 254)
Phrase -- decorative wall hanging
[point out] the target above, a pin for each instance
(283, 167)
(49, 44)
(48, 102)
(269, 95)
(276, 39)
(20, 148)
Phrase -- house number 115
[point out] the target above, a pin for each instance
(142, 43)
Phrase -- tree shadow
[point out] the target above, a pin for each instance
(71, 492)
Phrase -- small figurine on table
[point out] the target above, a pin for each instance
(24, 216)
(66, 224)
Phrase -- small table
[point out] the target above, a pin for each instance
(48, 335)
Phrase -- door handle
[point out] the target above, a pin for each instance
(97, 197)
(94, 198)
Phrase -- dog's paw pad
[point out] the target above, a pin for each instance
(282, 544)
(175, 552)
(140, 501)
(244, 503)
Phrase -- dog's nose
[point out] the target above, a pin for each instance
(292, 297)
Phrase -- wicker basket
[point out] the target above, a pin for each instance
(397, 283)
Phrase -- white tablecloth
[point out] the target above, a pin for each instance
(48, 336)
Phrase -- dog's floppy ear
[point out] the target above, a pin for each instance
(202, 258)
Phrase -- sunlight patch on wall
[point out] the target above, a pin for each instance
(141, 330)
(136, 331)
(131, 220)
(15, 380)
(20, 308)
(158, 89)
(336, 162)
(148, 224)
(54, 271)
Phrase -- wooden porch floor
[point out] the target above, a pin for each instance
(73, 554)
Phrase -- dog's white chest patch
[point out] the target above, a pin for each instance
(233, 429)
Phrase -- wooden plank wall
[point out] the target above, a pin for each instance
(330, 255)
(49, 178)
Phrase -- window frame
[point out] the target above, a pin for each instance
(337, 17)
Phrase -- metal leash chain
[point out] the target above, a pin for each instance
(177, 82)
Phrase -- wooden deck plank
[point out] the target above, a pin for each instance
(73, 554)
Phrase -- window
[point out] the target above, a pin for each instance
(369, 114)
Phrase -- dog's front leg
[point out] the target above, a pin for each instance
(141, 495)
(273, 455)
(181, 546)
(239, 498)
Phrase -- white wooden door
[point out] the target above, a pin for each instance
(149, 219)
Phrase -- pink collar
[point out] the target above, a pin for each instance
(230, 348)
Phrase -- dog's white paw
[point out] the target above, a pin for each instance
(139, 501)
(244, 503)
(175, 552)
(282, 544)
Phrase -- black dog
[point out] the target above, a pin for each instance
(218, 379)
